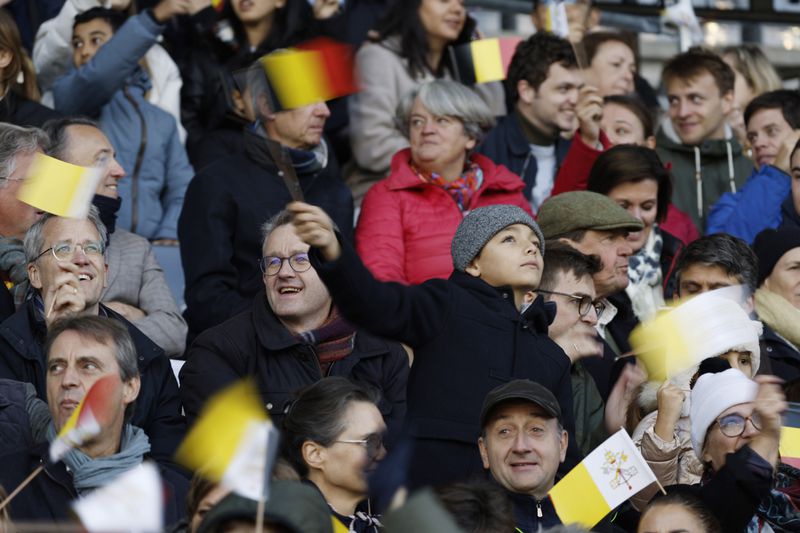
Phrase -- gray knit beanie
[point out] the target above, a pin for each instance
(480, 225)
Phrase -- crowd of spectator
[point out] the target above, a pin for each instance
(432, 285)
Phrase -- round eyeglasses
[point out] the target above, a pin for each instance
(272, 264)
(65, 250)
(373, 443)
(584, 301)
(733, 425)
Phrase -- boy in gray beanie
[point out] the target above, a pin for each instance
(467, 332)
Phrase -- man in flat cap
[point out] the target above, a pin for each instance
(594, 224)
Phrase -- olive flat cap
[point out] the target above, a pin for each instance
(583, 210)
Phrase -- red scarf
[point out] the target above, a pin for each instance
(462, 189)
(332, 341)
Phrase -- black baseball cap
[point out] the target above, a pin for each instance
(521, 389)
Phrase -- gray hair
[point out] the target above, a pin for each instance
(277, 220)
(446, 98)
(102, 330)
(34, 238)
(13, 140)
(281, 218)
(57, 130)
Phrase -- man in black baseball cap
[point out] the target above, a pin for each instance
(522, 444)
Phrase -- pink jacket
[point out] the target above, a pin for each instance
(406, 225)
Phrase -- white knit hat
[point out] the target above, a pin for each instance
(713, 394)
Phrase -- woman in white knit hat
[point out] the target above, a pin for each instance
(736, 429)
(721, 329)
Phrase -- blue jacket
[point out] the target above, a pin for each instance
(507, 145)
(754, 208)
(112, 87)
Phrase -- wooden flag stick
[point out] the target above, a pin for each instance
(21, 486)
(260, 515)
(660, 486)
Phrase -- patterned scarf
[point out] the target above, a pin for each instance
(332, 341)
(780, 511)
(462, 189)
(644, 272)
(645, 265)
(14, 268)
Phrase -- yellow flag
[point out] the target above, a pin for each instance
(60, 188)
(608, 476)
(487, 59)
(224, 422)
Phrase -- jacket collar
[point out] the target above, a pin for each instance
(402, 177)
(501, 299)
(273, 335)
(25, 332)
(515, 139)
(668, 137)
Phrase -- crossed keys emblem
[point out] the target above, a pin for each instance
(615, 464)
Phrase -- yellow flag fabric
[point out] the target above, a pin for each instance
(223, 424)
(60, 188)
(487, 59)
(662, 346)
(298, 77)
(608, 476)
(338, 527)
(790, 445)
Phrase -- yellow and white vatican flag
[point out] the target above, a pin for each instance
(233, 442)
(608, 476)
(132, 502)
(60, 188)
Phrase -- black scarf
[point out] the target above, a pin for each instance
(305, 162)
(108, 208)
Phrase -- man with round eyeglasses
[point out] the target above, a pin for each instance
(67, 272)
(291, 338)
(567, 282)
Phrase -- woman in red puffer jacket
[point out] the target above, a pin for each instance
(409, 218)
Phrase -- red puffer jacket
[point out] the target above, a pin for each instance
(406, 225)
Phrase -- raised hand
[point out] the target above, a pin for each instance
(315, 228)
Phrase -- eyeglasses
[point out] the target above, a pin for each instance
(272, 264)
(733, 425)
(373, 443)
(65, 250)
(585, 302)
